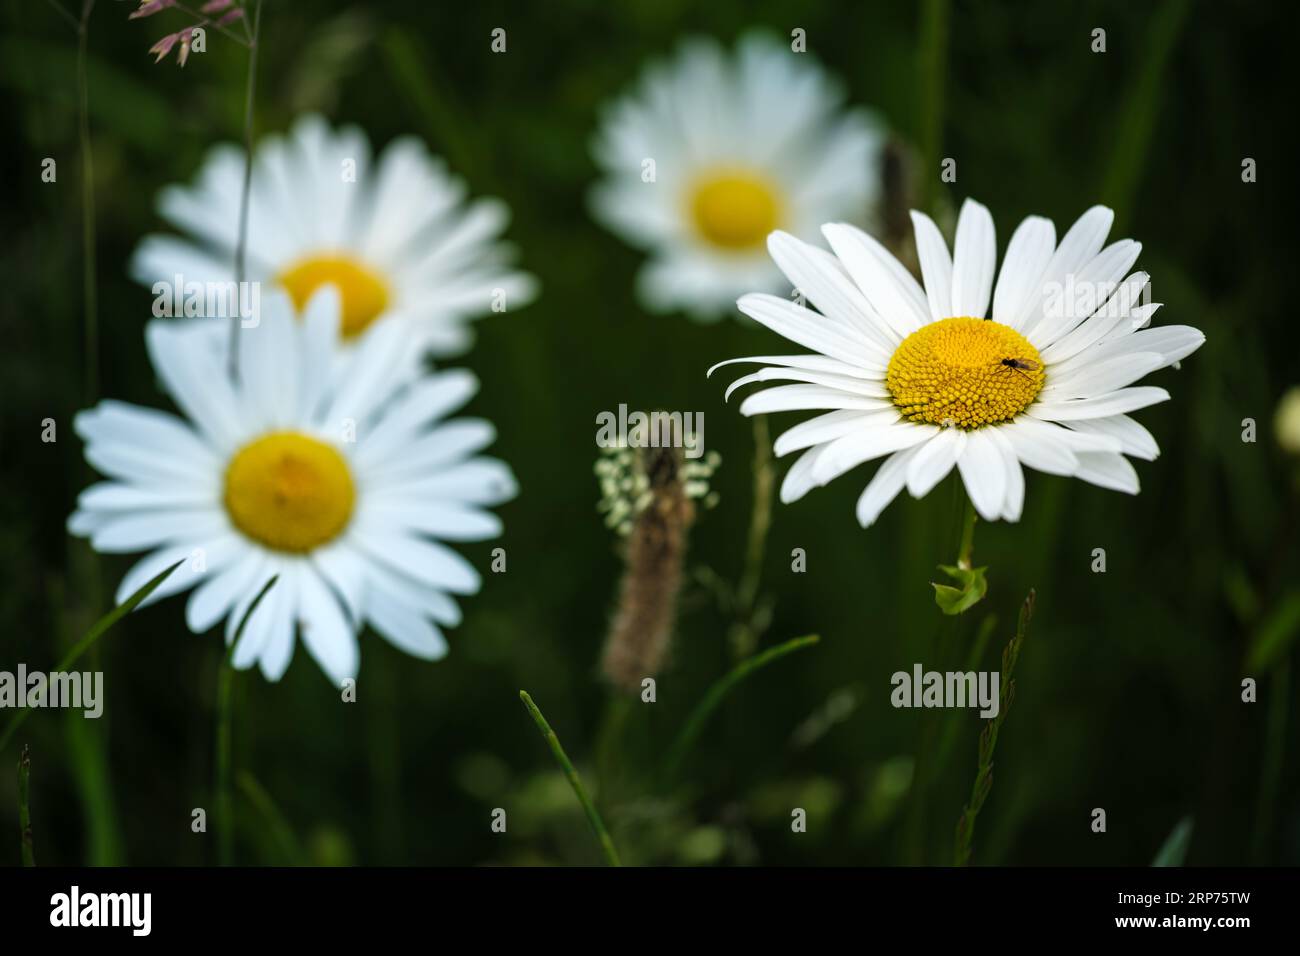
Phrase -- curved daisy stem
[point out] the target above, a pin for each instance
(225, 817)
(593, 817)
(241, 247)
(970, 583)
(283, 835)
(97, 630)
(704, 710)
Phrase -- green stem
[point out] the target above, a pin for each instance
(24, 806)
(602, 835)
(90, 304)
(933, 63)
(949, 733)
(1136, 122)
(225, 814)
(745, 632)
(988, 741)
(704, 710)
(97, 630)
(609, 742)
(241, 248)
(967, 547)
(281, 832)
(221, 755)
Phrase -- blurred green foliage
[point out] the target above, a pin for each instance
(1129, 694)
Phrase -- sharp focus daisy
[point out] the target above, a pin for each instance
(396, 236)
(921, 378)
(712, 152)
(345, 487)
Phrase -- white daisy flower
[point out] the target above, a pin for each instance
(919, 375)
(712, 152)
(343, 483)
(396, 237)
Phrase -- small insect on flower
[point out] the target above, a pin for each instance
(1021, 365)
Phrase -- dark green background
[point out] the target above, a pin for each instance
(1129, 684)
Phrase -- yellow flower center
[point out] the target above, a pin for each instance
(964, 372)
(735, 209)
(289, 492)
(363, 292)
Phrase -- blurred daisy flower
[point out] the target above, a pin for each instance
(714, 151)
(343, 486)
(919, 377)
(397, 238)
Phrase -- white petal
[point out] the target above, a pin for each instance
(799, 480)
(821, 278)
(1116, 310)
(326, 633)
(433, 451)
(1101, 406)
(407, 631)
(1084, 292)
(393, 588)
(1079, 245)
(140, 530)
(984, 474)
(427, 561)
(1173, 342)
(803, 327)
(843, 383)
(195, 379)
(825, 428)
(791, 398)
(884, 486)
(813, 363)
(259, 622)
(1108, 471)
(1099, 378)
(1042, 452)
(934, 460)
(482, 481)
(113, 496)
(851, 450)
(1057, 434)
(449, 521)
(424, 402)
(936, 267)
(277, 652)
(882, 279)
(975, 254)
(214, 599)
(1023, 266)
(1014, 502)
(1132, 436)
(150, 566)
